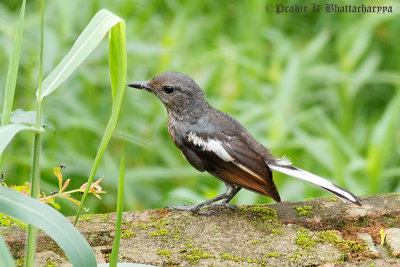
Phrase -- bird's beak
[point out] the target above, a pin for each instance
(141, 85)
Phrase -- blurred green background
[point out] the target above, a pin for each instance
(323, 89)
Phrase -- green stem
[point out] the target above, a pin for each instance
(120, 207)
(31, 246)
(117, 57)
(103, 145)
(35, 177)
(60, 194)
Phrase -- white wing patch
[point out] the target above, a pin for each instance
(215, 146)
(284, 161)
(210, 145)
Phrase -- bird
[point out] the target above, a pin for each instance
(214, 142)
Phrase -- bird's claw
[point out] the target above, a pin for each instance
(194, 209)
(224, 204)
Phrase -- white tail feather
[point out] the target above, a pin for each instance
(314, 179)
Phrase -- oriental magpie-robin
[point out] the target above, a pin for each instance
(213, 141)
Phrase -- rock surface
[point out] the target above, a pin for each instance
(318, 232)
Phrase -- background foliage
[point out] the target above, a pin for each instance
(322, 89)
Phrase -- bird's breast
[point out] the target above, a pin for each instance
(173, 130)
(170, 127)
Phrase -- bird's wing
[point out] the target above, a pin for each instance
(193, 158)
(230, 159)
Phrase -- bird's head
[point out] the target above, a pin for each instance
(178, 92)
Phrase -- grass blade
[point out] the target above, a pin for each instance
(120, 208)
(118, 70)
(52, 222)
(8, 132)
(6, 258)
(13, 69)
(87, 41)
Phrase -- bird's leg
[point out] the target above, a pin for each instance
(231, 195)
(230, 192)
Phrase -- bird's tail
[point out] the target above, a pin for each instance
(284, 166)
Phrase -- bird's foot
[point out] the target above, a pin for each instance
(224, 204)
(195, 209)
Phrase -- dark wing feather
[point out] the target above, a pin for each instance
(245, 169)
(246, 158)
(193, 158)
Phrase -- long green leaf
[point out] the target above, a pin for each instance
(89, 39)
(50, 221)
(8, 132)
(13, 69)
(118, 66)
(6, 258)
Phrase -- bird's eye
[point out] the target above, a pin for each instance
(168, 89)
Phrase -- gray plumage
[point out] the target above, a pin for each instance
(213, 141)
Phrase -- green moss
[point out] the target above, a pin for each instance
(332, 199)
(160, 232)
(237, 259)
(302, 230)
(262, 262)
(194, 255)
(353, 246)
(273, 255)
(125, 234)
(226, 256)
(249, 260)
(60, 252)
(362, 221)
(255, 242)
(304, 211)
(296, 256)
(266, 213)
(276, 231)
(264, 217)
(305, 241)
(329, 236)
(343, 245)
(142, 226)
(161, 223)
(107, 256)
(20, 262)
(103, 216)
(87, 217)
(164, 253)
(50, 263)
